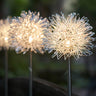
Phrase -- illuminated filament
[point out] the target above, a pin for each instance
(68, 43)
(30, 39)
(6, 39)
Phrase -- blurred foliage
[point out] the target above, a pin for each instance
(16, 6)
(88, 5)
(88, 8)
(48, 2)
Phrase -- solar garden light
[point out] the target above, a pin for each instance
(4, 36)
(27, 33)
(69, 36)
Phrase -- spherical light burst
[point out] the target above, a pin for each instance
(69, 36)
(27, 32)
(4, 33)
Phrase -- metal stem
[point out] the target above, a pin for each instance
(6, 72)
(69, 78)
(30, 74)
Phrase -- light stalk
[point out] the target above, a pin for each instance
(69, 78)
(6, 72)
(30, 74)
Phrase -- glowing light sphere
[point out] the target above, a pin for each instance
(69, 36)
(4, 33)
(27, 32)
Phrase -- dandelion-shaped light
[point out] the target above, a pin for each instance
(69, 36)
(4, 33)
(4, 36)
(27, 33)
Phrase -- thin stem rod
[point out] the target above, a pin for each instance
(30, 74)
(6, 72)
(69, 78)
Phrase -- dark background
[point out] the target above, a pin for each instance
(83, 70)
